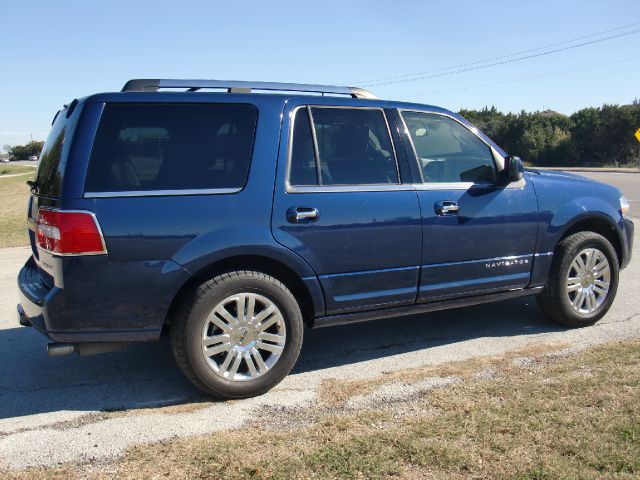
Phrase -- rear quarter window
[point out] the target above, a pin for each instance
(172, 146)
(55, 151)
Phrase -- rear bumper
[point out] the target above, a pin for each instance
(33, 295)
(94, 307)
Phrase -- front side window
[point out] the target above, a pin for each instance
(171, 146)
(353, 148)
(447, 151)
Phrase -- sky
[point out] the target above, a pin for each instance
(52, 52)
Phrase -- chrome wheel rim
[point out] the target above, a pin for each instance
(243, 337)
(588, 280)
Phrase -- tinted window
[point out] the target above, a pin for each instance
(55, 150)
(354, 147)
(172, 147)
(303, 161)
(448, 151)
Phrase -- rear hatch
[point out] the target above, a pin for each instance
(46, 190)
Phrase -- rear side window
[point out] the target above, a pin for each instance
(172, 146)
(56, 149)
(353, 148)
(303, 166)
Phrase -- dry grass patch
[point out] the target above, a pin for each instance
(6, 169)
(14, 194)
(528, 422)
(335, 393)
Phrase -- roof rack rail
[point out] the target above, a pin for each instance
(235, 86)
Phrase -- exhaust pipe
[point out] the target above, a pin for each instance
(58, 349)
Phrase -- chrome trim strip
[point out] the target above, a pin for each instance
(378, 295)
(479, 260)
(161, 193)
(368, 272)
(547, 254)
(474, 282)
(385, 187)
(464, 186)
(351, 188)
(316, 150)
(292, 119)
(336, 188)
(450, 186)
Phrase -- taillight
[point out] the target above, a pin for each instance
(69, 233)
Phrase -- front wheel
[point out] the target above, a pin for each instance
(583, 280)
(239, 335)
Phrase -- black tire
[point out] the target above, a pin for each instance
(189, 322)
(554, 300)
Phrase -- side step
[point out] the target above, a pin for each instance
(58, 349)
(434, 306)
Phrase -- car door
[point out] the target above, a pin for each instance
(341, 204)
(479, 234)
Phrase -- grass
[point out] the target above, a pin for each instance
(14, 194)
(554, 417)
(6, 169)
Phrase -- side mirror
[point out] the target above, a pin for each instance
(513, 169)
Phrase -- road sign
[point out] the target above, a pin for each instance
(638, 134)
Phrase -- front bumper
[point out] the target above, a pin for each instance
(627, 242)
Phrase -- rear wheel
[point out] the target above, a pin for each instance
(239, 335)
(583, 280)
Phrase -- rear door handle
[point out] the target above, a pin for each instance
(302, 214)
(446, 207)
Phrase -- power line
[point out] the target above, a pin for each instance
(22, 135)
(482, 65)
(521, 52)
(531, 77)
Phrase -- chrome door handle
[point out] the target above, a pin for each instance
(446, 207)
(302, 214)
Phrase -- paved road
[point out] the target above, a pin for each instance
(52, 409)
(629, 183)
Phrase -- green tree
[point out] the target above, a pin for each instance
(23, 152)
(589, 137)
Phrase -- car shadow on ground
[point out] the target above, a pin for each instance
(145, 376)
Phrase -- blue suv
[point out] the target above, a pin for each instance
(232, 216)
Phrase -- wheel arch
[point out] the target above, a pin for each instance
(597, 223)
(304, 290)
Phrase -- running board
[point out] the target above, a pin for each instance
(356, 317)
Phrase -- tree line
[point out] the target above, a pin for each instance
(593, 137)
(23, 152)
